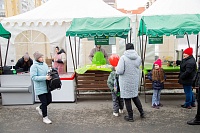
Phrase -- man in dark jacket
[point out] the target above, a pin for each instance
(187, 72)
(25, 62)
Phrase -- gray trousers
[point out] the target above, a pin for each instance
(118, 103)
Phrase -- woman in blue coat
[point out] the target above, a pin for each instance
(38, 72)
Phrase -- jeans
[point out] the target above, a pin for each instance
(190, 100)
(156, 97)
(118, 103)
(137, 103)
(45, 99)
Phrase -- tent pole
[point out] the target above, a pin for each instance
(65, 53)
(188, 40)
(0, 57)
(75, 52)
(145, 48)
(71, 52)
(130, 34)
(197, 47)
(79, 41)
(6, 52)
(140, 45)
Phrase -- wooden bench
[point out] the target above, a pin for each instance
(170, 83)
(92, 80)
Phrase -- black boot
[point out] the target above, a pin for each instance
(142, 115)
(194, 121)
(127, 118)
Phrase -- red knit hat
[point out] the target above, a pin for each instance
(158, 62)
(188, 51)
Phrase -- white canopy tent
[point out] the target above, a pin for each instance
(51, 20)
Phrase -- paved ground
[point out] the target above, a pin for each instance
(93, 114)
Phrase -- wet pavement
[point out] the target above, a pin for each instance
(93, 114)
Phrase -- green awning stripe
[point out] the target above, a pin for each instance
(90, 27)
(160, 25)
(4, 33)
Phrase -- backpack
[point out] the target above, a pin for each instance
(54, 82)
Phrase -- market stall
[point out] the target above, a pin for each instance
(94, 77)
(159, 21)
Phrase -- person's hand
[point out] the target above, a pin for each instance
(48, 77)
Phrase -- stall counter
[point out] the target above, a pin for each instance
(67, 91)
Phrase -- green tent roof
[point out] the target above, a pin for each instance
(159, 25)
(4, 33)
(90, 27)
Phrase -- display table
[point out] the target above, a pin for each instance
(165, 68)
(16, 89)
(67, 91)
(82, 70)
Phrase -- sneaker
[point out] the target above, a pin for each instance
(142, 115)
(154, 106)
(121, 111)
(194, 121)
(194, 105)
(127, 118)
(46, 120)
(115, 114)
(184, 106)
(39, 110)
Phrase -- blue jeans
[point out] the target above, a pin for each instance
(156, 97)
(189, 95)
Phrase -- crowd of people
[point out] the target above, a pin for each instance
(128, 68)
(123, 90)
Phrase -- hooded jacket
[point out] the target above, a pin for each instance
(38, 73)
(129, 71)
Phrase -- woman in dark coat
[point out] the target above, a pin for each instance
(25, 62)
(187, 72)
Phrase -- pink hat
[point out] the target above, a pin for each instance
(158, 62)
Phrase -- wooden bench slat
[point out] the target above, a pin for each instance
(92, 78)
(93, 89)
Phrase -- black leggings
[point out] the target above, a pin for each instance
(45, 99)
(137, 103)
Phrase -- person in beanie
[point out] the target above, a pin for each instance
(196, 120)
(187, 72)
(157, 76)
(25, 62)
(113, 84)
(128, 69)
(38, 73)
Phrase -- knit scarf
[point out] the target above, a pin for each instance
(158, 75)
